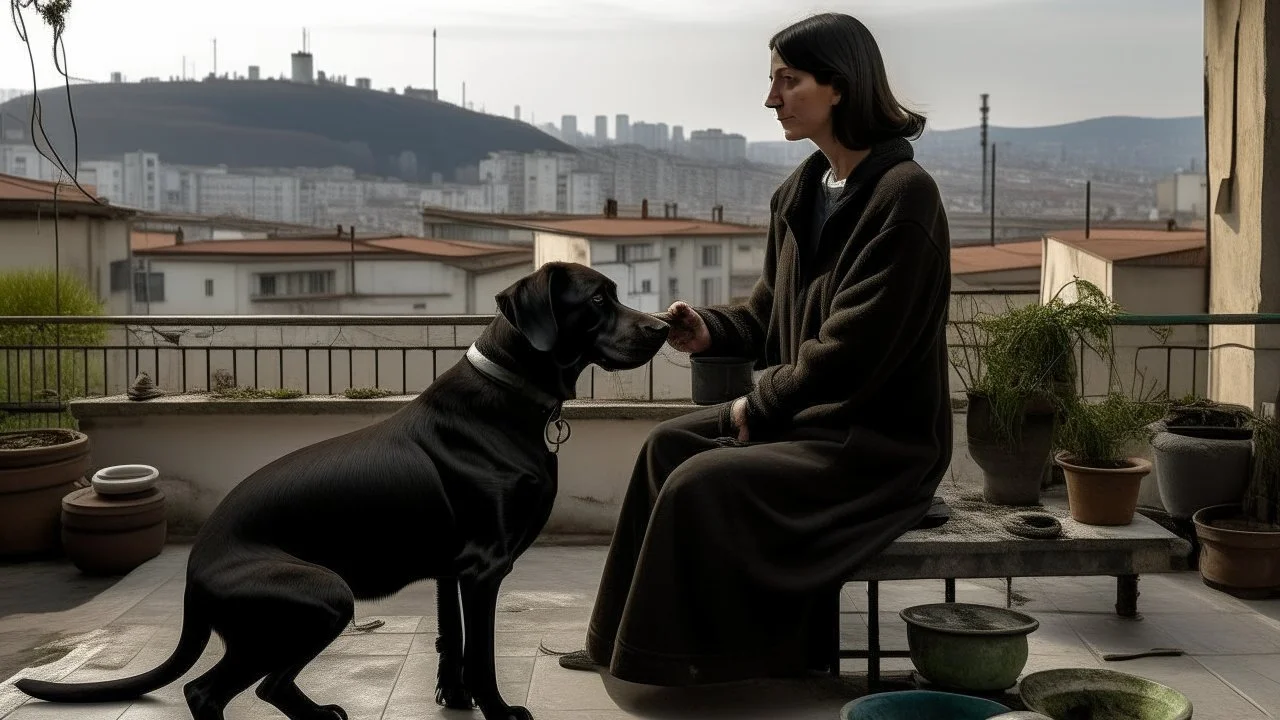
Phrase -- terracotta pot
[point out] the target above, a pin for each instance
(1240, 562)
(33, 482)
(113, 534)
(1103, 496)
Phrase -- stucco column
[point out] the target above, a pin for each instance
(1244, 274)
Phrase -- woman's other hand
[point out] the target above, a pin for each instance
(738, 414)
(688, 332)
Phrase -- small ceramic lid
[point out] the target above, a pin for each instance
(969, 619)
(86, 501)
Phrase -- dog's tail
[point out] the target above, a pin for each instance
(191, 644)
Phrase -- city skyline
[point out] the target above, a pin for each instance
(599, 58)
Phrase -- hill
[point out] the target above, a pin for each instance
(243, 123)
(1137, 143)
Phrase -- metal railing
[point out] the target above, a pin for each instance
(46, 361)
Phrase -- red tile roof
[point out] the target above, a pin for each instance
(968, 259)
(310, 246)
(599, 225)
(22, 194)
(1123, 245)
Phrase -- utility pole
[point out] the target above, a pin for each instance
(215, 57)
(433, 61)
(984, 110)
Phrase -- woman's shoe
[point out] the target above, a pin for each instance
(579, 660)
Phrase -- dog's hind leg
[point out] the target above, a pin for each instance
(451, 692)
(273, 627)
(479, 603)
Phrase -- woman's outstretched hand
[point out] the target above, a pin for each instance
(688, 332)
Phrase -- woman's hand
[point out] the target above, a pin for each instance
(688, 332)
(738, 414)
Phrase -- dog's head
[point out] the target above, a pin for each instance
(574, 313)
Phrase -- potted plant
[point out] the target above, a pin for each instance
(1096, 449)
(1202, 451)
(1240, 542)
(38, 467)
(1019, 372)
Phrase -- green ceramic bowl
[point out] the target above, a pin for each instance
(968, 648)
(1095, 694)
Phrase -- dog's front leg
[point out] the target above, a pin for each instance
(451, 692)
(479, 604)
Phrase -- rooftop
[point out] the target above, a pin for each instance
(24, 195)
(162, 244)
(599, 225)
(1125, 245)
(972, 259)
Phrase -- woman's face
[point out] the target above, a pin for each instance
(802, 105)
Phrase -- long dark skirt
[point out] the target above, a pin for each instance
(725, 556)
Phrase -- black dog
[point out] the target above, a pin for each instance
(455, 487)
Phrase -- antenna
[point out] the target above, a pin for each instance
(433, 60)
(215, 57)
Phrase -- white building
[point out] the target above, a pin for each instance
(654, 260)
(93, 236)
(541, 182)
(717, 146)
(25, 161)
(371, 274)
(1182, 195)
(264, 197)
(487, 198)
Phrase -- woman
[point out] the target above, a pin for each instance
(742, 521)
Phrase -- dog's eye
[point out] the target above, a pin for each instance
(598, 299)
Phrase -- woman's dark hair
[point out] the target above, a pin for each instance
(840, 51)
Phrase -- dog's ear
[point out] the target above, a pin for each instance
(530, 305)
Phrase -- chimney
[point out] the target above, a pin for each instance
(666, 210)
(178, 236)
(339, 229)
(644, 208)
(717, 214)
(675, 209)
(611, 208)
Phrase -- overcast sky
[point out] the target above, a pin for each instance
(696, 63)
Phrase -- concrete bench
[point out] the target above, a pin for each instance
(975, 544)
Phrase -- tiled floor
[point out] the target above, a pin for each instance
(98, 629)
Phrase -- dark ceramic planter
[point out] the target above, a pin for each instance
(1010, 475)
(1198, 467)
(719, 379)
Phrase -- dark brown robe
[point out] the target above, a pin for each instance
(724, 552)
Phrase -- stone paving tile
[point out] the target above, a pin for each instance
(1214, 634)
(1256, 677)
(389, 672)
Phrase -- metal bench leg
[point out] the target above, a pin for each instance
(1127, 596)
(873, 636)
(951, 590)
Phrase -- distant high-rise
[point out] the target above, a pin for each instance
(569, 128)
(622, 128)
(517, 113)
(602, 129)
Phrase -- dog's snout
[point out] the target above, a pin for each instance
(652, 325)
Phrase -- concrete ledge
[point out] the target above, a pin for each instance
(118, 406)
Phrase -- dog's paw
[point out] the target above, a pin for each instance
(454, 697)
(336, 710)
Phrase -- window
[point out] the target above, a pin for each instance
(633, 252)
(646, 286)
(673, 287)
(710, 256)
(208, 287)
(711, 290)
(296, 284)
(671, 256)
(120, 275)
(148, 287)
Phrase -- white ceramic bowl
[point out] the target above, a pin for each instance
(125, 479)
